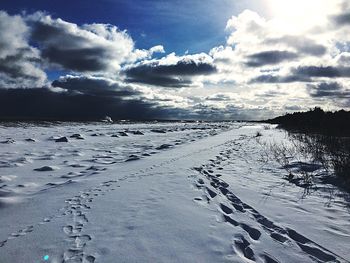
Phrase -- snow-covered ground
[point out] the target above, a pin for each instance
(159, 192)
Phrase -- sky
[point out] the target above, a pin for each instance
(172, 59)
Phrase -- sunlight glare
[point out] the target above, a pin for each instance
(300, 15)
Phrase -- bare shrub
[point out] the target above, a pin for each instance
(331, 151)
(289, 157)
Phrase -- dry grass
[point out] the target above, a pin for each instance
(330, 155)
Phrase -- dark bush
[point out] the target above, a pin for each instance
(316, 121)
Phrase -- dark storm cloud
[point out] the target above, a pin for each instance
(328, 90)
(269, 58)
(19, 62)
(80, 48)
(12, 66)
(267, 78)
(79, 59)
(301, 44)
(42, 103)
(342, 19)
(314, 50)
(62, 47)
(46, 32)
(171, 75)
(142, 76)
(322, 71)
(94, 86)
(305, 74)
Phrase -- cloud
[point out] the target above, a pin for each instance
(103, 66)
(228, 112)
(218, 97)
(95, 86)
(328, 90)
(342, 19)
(305, 74)
(86, 48)
(301, 44)
(170, 71)
(344, 59)
(43, 103)
(272, 78)
(272, 94)
(19, 62)
(157, 49)
(30, 44)
(269, 58)
(321, 71)
(265, 51)
(293, 108)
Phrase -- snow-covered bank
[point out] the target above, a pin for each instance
(164, 193)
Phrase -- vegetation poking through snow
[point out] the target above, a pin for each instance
(325, 137)
(332, 152)
(293, 161)
(307, 157)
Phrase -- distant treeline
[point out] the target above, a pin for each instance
(316, 121)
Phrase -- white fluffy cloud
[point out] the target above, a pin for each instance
(19, 62)
(278, 55)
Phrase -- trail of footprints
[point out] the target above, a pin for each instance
(30, 228)
(21, 232)
(77, 208)
(26, 230)
(233, 208)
